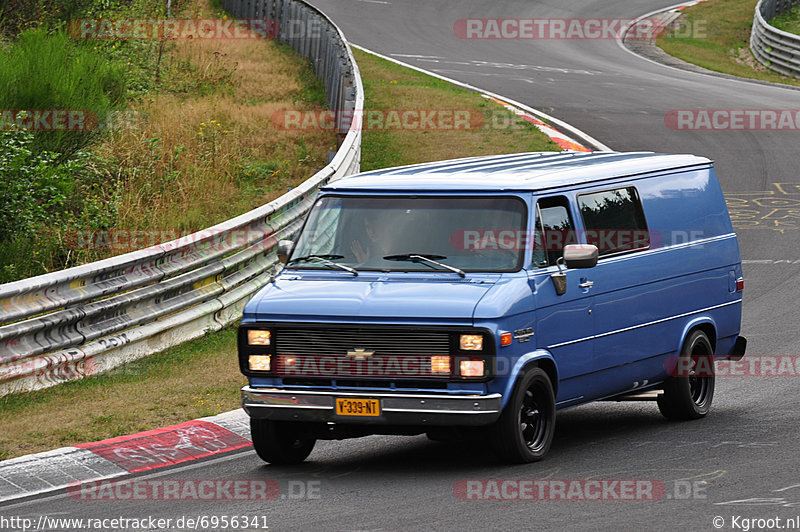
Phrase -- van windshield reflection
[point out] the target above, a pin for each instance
(459, 234)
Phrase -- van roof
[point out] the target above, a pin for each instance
(519, 171)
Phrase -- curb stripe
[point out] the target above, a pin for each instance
(167, 446)
(49, 471)
(555, 135)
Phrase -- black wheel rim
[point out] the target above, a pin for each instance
(699, 378)
(533, 418)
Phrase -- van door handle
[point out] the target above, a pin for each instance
(586, 284)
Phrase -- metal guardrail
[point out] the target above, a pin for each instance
(777, 49)
(88, 319)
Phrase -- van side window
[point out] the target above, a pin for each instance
(614, 221)
(554, 230)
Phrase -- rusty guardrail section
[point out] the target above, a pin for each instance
(88, 319)
(777, 49)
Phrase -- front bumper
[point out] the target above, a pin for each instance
(433, 410)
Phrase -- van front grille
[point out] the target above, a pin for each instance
(340, 341)
(358, 352)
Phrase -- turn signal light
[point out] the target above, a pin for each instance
(440, 365)
(505, 339)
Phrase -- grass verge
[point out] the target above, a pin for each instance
(789, 21)
(201, 378)
(195, 146)
(721, 40)
(389, 86)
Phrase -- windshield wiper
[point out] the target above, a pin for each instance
(325, 259)
(426, 258)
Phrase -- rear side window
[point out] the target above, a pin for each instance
(614, 221)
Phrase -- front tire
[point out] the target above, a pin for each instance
(280, 442)
(688, 394)
(525, 429)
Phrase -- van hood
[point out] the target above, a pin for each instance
(310, 297)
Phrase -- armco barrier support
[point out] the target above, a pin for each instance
(779, 50)
(88, 319)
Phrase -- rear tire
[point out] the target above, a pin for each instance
(280, 442)
(688, 395)
(525, 429)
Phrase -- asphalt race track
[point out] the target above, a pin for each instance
(742, 460)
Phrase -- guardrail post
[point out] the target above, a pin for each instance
(317, 45)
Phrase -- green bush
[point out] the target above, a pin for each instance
(42, 199)
(34, 186)
(48, 70)
(18, 15)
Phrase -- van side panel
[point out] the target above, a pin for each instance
(685, 206)
(643, 300)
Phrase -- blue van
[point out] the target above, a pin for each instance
(482, 295)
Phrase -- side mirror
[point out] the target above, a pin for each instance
(580, 256)
(284, 249)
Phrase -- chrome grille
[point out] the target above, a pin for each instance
(374, 367)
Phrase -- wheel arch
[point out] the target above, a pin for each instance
(539, 358)
(703, 323)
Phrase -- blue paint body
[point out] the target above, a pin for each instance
(616, 336)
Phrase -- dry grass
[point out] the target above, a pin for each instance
(205, 148)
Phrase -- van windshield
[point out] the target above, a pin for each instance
(408, 233)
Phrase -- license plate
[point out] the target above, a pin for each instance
(358, 407)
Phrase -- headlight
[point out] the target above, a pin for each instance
(258, 337)
(471, 342)
(258, 362)
(471, 368)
